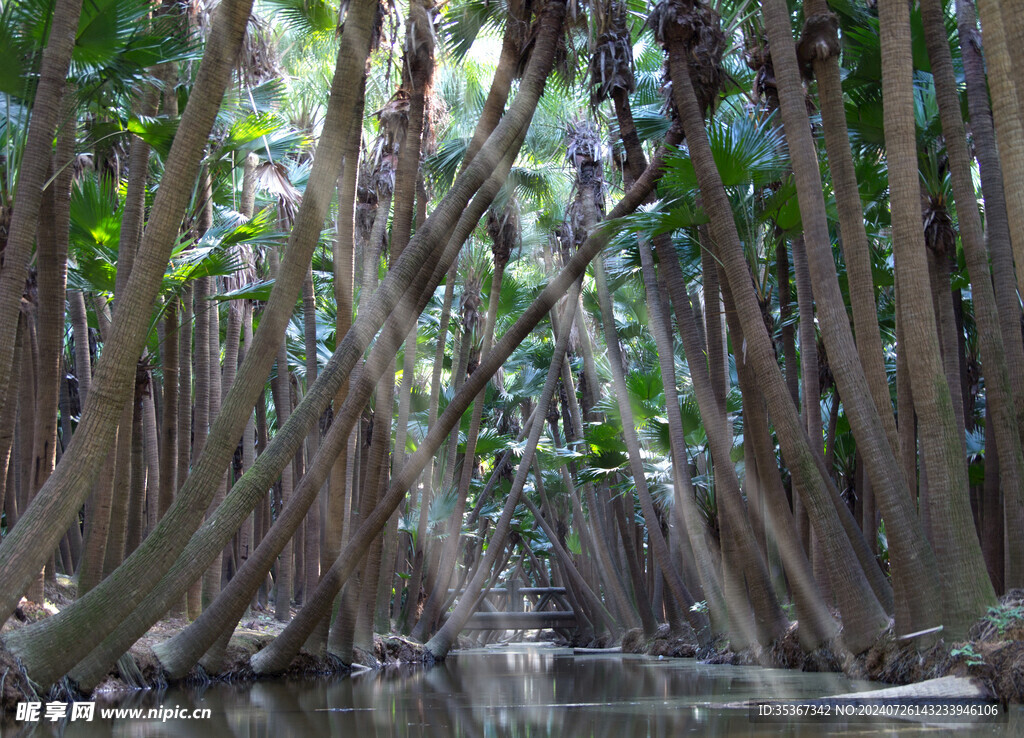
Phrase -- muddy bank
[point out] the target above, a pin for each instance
(993, 653)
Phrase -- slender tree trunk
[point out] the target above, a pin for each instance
(32, 174)
(863, 618)
(966, 587)
(59, 500)
(152, 457)
(911, 559)
(1001, 404)
(168, 480)
(51, 278)
(997, 224)
(137, 483)
(1008, 124)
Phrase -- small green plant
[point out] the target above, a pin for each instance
(968, 654)
(701, 607)
(1003, 616)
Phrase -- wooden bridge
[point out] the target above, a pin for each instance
(549, 608)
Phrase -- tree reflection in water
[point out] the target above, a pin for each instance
(509, 692)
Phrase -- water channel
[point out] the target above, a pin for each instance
(518, 690)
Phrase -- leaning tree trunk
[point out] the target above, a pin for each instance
(913, 565)
(863, 617)
(25, 550)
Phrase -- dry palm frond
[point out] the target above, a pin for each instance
(611, 61)
(258, 61)
(394, 120)
(273, 178)
(505, 231)
(699, 28)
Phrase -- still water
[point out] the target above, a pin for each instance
(517, 691)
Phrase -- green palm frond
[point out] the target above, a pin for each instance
(746, 151)
(309, 19)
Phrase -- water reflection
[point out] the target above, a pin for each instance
(514, 692)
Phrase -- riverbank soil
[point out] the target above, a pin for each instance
(994, 654)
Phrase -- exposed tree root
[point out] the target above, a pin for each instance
(994, 655)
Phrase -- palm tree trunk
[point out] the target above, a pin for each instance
(311, 554)
(966, 587)
(120, 491)
(32, 173)
(59, 500)
(184, 410)
(990, 337)
(912, 561)
(856, 251)
(170, 354)
(137, 484)
(151, 454)
(201, 412)
(997, 224)
(863, 617)
(281, 388)
(1008, 124)
(51, 279)
(788, 334)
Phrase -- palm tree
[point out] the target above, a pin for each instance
(35, 166)
(966, 587)
(683, 28)
(61, 496)
(916, 586)
(1001, 409)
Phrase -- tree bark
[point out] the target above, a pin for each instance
(60, 498)
(966, 587)
(1001, 404)
(863, 618)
